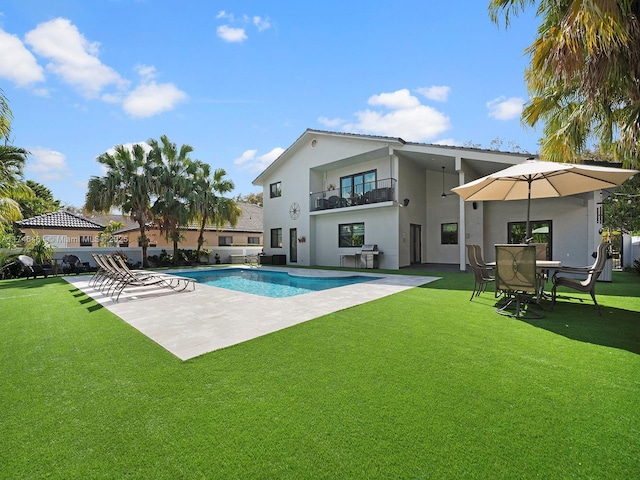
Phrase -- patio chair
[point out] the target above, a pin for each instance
(481, 272)
(32, 268)
(72, 264)
(517, 279)
(584, 279)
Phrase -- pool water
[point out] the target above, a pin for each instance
(271, 284)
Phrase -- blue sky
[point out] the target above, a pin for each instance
(240, 81)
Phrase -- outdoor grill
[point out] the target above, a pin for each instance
(369, 256)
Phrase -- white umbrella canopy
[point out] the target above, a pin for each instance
(536, 179)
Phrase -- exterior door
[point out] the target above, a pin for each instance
(293, 245)
(415, 240)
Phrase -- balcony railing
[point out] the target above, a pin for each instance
(364, 194)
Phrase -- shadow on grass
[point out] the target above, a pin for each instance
(85, 299)
(617, 328)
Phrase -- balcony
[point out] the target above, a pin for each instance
(368, 193)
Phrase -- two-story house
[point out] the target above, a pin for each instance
(329, 194)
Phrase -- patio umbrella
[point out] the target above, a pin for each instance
(536, 179)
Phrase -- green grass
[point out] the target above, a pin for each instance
(421, 384)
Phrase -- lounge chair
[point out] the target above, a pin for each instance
(584, 278)
(114, 275)
(34, 269)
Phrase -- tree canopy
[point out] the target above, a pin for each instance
(584, 75)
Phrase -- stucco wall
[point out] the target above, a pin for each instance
(379, 229)
(441, 210)
(568, 214)
(302, 176)
(411, 185)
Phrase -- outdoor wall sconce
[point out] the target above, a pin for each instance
(302, 239)
(405, 202)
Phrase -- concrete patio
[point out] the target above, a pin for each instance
(192, 323)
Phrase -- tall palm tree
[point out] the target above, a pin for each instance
(128, 184)
(12, 162)
(173, 172)
(6, 117)
(12, 188)
(204, 203)
(584, 76)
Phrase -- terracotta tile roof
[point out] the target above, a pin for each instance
(251, 220)
(60, 219)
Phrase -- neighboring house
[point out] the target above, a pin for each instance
(331, 193)
(62, 229)
(247, 232)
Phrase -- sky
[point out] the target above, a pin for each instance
(240, 81)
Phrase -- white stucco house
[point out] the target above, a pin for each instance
(330, 193)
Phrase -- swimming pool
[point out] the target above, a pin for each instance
(272, 284)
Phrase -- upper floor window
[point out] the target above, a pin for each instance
(275, 189)
(353, 186)
(253, 240)
(225, 240)
(86, 240)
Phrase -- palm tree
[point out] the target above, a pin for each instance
(6, 117)
(584, 76)
(12, 161)
(208, 208)
(173, 172)
(128, 184)
(12, 188)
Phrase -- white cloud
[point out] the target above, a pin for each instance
(18, 64)
(147, 72)
(261, 23)
(439, 94)
(231, 35)
(395, 100)
(46, 165)
(401, 115)
(249, 162)
(72, 57)
(503, 108)
(224, 15)
(331, 123)
(448, 141)
(150, 99)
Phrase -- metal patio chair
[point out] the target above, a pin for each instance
(481, 272)
(517, 279)
(584, 279)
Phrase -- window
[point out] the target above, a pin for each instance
(225, 241)
(351, 235)
(449, 234)
(276, 238)
(541, 232)
(86, 240)
(353, 186)
(253, 240)
(275, 189)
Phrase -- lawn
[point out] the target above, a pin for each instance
(421, 384)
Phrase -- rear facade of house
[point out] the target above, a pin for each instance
(332, 196)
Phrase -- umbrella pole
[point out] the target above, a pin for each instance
(528, 236)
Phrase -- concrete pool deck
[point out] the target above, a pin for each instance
(192, 323)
